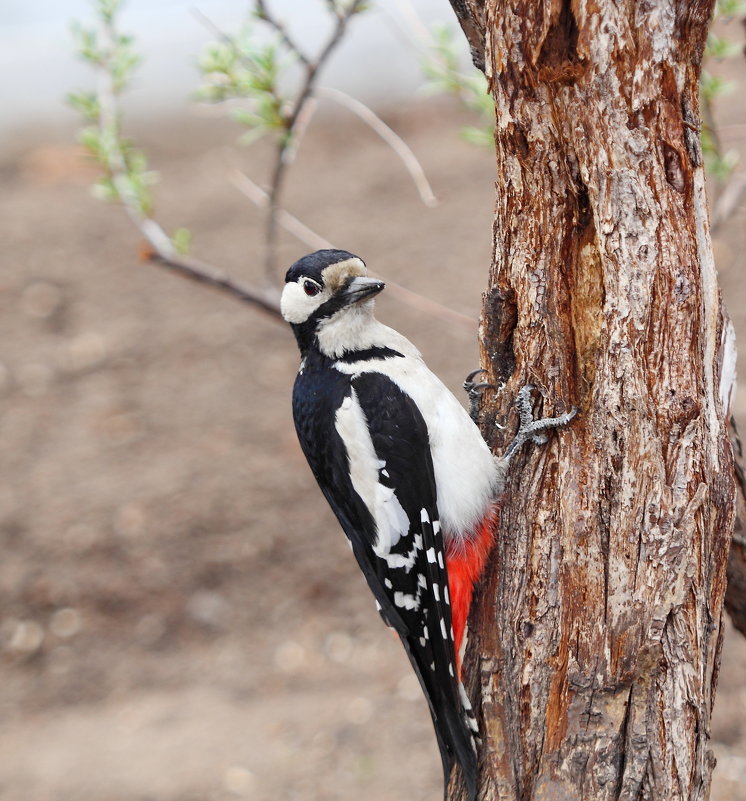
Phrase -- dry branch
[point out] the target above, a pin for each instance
(267, 300)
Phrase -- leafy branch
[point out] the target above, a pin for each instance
(442, 67)
(235, 68)
(126, 177)
(719, 163)
(242, 68)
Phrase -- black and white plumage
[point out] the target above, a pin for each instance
(402, 465)
(406, 472)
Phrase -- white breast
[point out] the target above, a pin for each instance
(466, 474)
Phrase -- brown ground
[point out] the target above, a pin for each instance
(180, 618)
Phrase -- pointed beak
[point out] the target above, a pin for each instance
(361, 288)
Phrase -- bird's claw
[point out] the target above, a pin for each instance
(530, 429)
(469, 380)
(474, 391)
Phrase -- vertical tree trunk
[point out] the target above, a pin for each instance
(595, 638)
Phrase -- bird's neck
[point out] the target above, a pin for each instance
(354, 328)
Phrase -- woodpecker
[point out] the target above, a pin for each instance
(405, 470)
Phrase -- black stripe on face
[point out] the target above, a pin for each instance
(306, 331)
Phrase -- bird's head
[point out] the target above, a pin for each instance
(323, 288)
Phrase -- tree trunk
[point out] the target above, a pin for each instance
(595, 639)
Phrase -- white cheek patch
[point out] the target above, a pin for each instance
(296, 306)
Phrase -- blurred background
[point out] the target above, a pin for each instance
(180, 617)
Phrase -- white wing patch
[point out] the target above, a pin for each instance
(390, 518)
(407, 601)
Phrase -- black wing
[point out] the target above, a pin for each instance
(394, 530)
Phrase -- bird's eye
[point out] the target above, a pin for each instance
(310, 288)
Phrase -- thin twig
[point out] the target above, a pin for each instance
(297, 117)
(284, 151)
(304, 234)
(160, 249)
(389, 136)
(291, 224)
(301, 126)
(263, 14)
(415, 27)
(268, 300)
(429, 307)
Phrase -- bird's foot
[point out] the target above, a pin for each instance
(530, 429)
(474, 391)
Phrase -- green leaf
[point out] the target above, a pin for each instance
(107, 9)
(182, 240)
(718, 47)
(729, 8)
(104, 189)
(484, 137)
(442, 67)
(721, 167)
(713, 86)
(85, 103)
(86, 43)
(246, 117)
(90, 138)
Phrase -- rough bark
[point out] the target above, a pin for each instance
(595, 638)
(735, 594)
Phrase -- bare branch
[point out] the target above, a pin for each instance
(292, 224)
(268, 300)
(160, 249)
(392, 139)
(284, 150)
(301, 126)
(263, 14)
(304, 234)
(428, 306)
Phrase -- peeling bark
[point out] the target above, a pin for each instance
(595, 638)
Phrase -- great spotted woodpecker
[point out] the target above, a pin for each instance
(406, 472)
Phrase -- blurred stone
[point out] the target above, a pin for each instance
(208, 608)
(40, 300)
(290, 656)
(84, 351)
(27, 637)
(238, 780)
(323, 743)
(359, 711)
(339, 647)
(65, 623)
